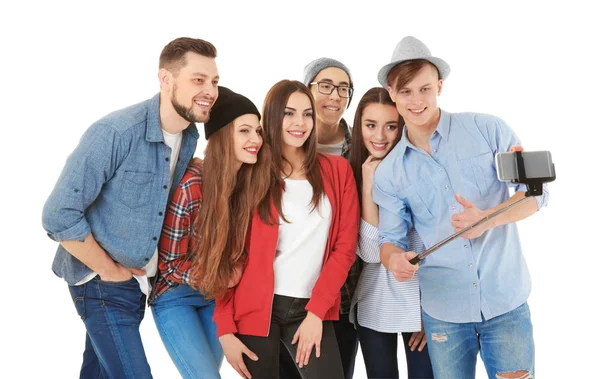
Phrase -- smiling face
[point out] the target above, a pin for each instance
(298, 121)
(379, 128)
(193, 87)
(416, 101)
(330, 108)
(247, 138)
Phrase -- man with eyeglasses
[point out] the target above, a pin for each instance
(331, 85)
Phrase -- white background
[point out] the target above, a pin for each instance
(68, 64)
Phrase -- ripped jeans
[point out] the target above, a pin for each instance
(506, 344)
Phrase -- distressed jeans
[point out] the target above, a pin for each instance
(505, 342)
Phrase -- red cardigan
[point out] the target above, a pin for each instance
(246, 308)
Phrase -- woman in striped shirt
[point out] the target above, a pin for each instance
(384, 306)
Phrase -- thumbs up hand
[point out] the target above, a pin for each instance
(468, 216)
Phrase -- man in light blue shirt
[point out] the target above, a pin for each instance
(441, 177)
(108, 206)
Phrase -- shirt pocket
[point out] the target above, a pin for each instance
(479, 173)
(418, 198)
(135, 188)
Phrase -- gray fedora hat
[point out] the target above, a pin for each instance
(408, 49)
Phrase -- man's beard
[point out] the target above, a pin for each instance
(186, 113)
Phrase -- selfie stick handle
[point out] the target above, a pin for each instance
(421, 256)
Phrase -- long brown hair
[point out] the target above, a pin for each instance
(273, 114)
(228, 201)
(358, 150)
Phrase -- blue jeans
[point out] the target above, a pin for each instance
(112, 313)
(506, 344)
(380, 351)
(183, 318)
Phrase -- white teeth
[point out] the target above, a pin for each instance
(251, 149)
(379, 144)
(297, 133)
(203, 103)
(332, 109)
(418, 111)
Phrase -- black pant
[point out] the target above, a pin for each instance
(286, 316)
(380, 351)
(347, 341)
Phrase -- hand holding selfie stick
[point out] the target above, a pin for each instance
(534, 188)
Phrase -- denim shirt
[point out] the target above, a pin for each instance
(116, 185)
(466, 279)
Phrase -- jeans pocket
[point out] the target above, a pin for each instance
(296, 309)
(78, 296)
(118, 283)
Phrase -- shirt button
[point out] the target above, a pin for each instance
(446, 186)
(435, 150)
(167, 159)
(165, 186)
(470, 264)
(154, 238)
(146, 259)
(454, 207)
(466, 246)
(160, 213)
(474, 284)
(440, 169)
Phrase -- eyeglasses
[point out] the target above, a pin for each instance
(327, 88)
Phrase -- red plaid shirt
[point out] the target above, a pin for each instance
(174, 263)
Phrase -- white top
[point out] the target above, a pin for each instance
(385, 304)
(302, 241)
(332, 149)
(174, 142)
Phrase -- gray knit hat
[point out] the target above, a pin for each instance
(312, 69)
(410, 48)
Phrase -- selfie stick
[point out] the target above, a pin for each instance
(534, 188)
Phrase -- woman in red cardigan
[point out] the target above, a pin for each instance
(300, 246)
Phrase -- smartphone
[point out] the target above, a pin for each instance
(538, 164)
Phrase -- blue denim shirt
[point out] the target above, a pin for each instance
(467, 278)
(116, 185)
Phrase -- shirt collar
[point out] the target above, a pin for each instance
(443, 129)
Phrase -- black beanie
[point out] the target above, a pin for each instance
(228, 107)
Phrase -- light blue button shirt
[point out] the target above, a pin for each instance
(467, 278)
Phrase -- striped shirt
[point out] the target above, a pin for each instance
(383, 303)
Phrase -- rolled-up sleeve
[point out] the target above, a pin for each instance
(394, 218)
(89, 166)
(501, 138)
